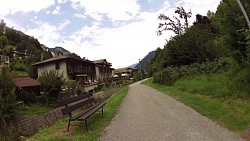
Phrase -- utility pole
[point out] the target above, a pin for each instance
(244, 13)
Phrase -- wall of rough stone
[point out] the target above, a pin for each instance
(29, 125)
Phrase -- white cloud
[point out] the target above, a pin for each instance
(116, 10)
(63, 24)
(13, 6)
(56, 10)
(61, 1)
(48, 34)
(79, 16)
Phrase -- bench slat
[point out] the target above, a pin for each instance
(76, 106)
(90, 112)
(74, 99)
(80, 114)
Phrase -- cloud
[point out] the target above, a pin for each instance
(116, 10)
(56, 10)
(63, 24)
(79, 16)
(13, 6)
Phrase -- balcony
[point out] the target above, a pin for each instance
(81, 71)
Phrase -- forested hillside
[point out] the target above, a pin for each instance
(23, 50)
(216, 44)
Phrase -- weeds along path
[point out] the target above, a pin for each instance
(147, 114)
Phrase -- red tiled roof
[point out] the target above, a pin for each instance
(26, 82)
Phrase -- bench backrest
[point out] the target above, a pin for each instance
(71, 108)
(67, 101)
(77, 102)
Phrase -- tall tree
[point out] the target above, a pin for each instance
(177, 25)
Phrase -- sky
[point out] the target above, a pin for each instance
(120, 31)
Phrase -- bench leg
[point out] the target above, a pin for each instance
(86, 125)
(68, 125)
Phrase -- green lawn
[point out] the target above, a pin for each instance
(231, 113)
(96, 124)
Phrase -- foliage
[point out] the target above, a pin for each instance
(97, 123)
(27, 47)
(175, 24)
(7, 100)
(71, 85)
(137, 76)
(51, 82)
(27, 97)
(229, 20)
(170, 74)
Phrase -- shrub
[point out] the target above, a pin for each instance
(71, 86)
(7, 100)
(170, 74)
(51, 83)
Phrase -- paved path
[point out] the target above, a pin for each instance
(149, 115)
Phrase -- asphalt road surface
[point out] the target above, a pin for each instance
(149, 115)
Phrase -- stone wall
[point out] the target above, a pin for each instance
(29, 125)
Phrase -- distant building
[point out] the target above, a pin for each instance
(83, 71)
(126, 72)
(103, 70)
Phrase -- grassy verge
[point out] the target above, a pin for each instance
(34, 109)
(96, 124)
(231, 113)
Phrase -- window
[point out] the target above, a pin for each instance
(57, 65)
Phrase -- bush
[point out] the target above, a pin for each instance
(27, 97)
(170, 74)
(71, 86)
(51, 83)
(7, 101)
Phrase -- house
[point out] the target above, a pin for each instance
(26, 84)
(81, 70)
(126, 72)
(103, 70)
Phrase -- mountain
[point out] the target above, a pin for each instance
(59, 51)
(144, 62)
(132, 66)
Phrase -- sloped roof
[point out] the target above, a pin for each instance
(61, 57)
(100, 61)
(125, 70)
(52, 59)
(26, 82)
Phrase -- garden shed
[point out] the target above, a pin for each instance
(26, 87)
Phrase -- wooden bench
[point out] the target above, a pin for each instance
(83, 101)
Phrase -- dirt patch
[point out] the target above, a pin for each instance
(246, 134)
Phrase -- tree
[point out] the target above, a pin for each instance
(51, 82)
(3, 41)
(2, 26)
(175, 24)
(7, 100)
